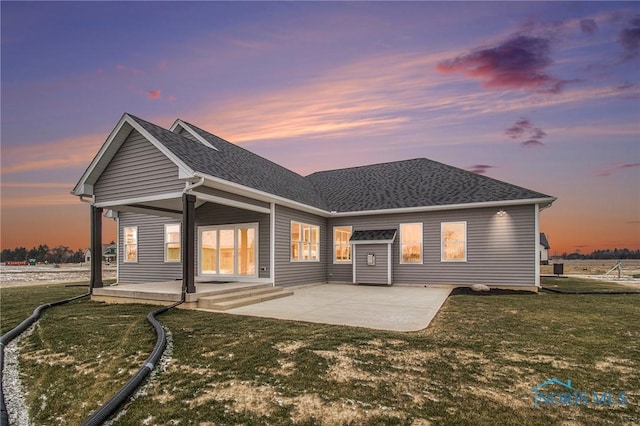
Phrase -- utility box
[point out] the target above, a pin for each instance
(558, 268)
(371, 260)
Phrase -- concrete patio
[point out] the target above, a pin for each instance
(396, 308)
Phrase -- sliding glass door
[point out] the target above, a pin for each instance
(228, 250)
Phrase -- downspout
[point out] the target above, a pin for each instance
(272, 243)
(537, 244)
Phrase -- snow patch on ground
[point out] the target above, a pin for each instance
(14, 396)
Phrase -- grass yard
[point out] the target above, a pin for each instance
(475, 364)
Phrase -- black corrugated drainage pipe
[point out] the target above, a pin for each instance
(555, 290)
(112, 405)
(15, 332)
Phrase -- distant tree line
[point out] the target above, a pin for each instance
(42, 254)
(602, 254)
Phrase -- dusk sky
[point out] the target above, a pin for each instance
(544, 95)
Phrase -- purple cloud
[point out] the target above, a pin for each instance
(629, 38)
(588, 26)
(518, 129)
(480, 168)
(520, 62)
(524, 128)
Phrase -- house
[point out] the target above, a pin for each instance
(109, 253)
(191, 206)
(544, 249)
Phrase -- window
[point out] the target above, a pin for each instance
(172, 242)
(305, 242)
(341, 244)
(411, 243)
(454, 241)
(130, 243)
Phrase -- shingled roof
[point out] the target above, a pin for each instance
(401, 184)
(411, 183)
(235, 164)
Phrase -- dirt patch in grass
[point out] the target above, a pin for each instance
(343, 368)
(241, 396)
(289, 347)
(619, 365)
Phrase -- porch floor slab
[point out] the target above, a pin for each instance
(170, 291)
(396, 308)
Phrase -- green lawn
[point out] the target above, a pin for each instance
(475, 364)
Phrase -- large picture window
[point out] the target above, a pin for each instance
(305, 242)
(341, 244)
(172, 242)
(411, 243)
(130, 234)
(454, 241)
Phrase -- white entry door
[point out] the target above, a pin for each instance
(228, 250)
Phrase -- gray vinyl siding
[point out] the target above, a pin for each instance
(210, 214)
(151, 265)
(500, 250)
(376, 274)
(138, 169)
(294, 273)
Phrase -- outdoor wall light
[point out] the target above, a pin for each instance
(501, 213)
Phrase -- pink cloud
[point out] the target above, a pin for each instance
(171, 98)
(520, 62)
(153, 94)
(72, 152)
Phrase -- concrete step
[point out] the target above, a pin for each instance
(241, 293)
(242, 298)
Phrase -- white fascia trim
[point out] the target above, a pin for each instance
(372, 242)
(185, 126)
(140, 200)
(447, 207)
(228, 202)
(183, 169)
(81, 186)
(267, 197)
(236, 188)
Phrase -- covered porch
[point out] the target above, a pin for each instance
(218, 241)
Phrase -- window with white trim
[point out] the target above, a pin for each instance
(411, 243)
(341, 244)
(130, 234)
(305, 242)
(172, 242)
(454, 241)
